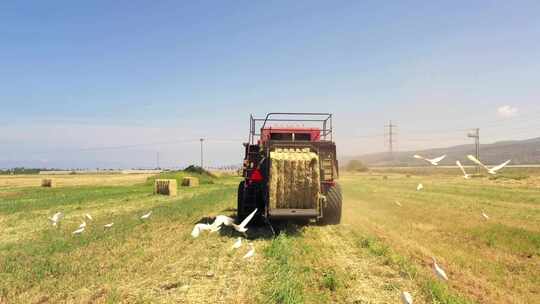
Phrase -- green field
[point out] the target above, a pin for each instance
(379, 249)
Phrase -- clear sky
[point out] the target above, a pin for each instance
(77, 77)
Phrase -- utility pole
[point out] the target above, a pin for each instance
(157, 160)
(476, 135)
(202, 163)
(391, 132)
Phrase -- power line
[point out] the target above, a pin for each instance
(391, 138)
(476, 136)
(202, 140)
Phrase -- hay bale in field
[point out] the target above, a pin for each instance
(189, 181)
(47, 182)
(165, 187)
(294, 179)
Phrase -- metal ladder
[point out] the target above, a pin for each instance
(328, 169)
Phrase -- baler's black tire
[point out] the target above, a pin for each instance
(240, 200)
(332, 209)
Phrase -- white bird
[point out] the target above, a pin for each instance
(492, 170)
(78, 231)
(198, 228)
(55, 219)
(83, 225)
(221, 220)
(406, 298)
(398, 203)
(250, 253)
(439, 271)
(88, 216)
(433, 161)
(476, 161)
(419, 187)
(485, 215)
(145, 216)
(465, 175)
(237, 244)
(108, 225)
(242, 227)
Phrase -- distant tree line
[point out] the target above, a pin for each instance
(356, 165)
(20, 170)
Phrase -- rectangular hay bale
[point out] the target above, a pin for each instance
(189, 181)
(294, 179)
(47, 182)
(165, 187)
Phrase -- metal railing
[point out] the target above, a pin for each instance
(325, 120)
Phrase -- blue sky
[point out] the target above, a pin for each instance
(79, 75)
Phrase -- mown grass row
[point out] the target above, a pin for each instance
(284, 282)
(434, 291)
(296, 270)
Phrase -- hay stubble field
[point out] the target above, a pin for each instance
(379, 249)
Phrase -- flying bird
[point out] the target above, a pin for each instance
(398, 203)
(198, 228)
(145, 216)
(492, 170)
(419, 187)
(108, 225)
(78, 231)
(237, 244)
(476, 161)
(83, 225)
(439, 271)
(250, 253)
(406, 298)
(485, 215)
(242, 227)
(465, 175)
(55, 219)
(433, 161)
(88, 216)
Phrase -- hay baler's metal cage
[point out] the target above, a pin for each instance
(323, 122)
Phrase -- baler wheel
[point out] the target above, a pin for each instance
(240, 202)
(332, 209)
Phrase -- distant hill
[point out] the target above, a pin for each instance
(519, 151)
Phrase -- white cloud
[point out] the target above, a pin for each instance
(507, 111)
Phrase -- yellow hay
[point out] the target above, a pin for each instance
(47, 182)
(274, 179)
(189, 181)
(294, 179)
(165, 187)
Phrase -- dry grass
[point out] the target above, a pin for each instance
(379, 250)
(23, 181)
(292, 176)
(491, 261)
(166, 187)
(190, 181)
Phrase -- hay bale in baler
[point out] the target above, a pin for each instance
(165, 187)
(294, 179)
(47, 182)
(190, 181)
